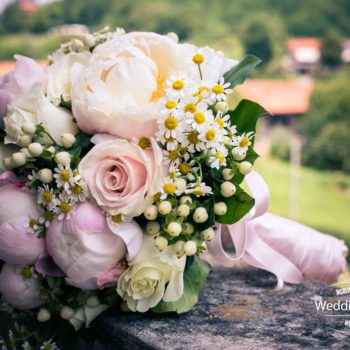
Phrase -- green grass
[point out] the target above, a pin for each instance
(323, 197)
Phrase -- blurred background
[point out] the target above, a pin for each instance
(304, 80)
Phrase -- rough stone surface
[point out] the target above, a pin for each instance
(238, 309)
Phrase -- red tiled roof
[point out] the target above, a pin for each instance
(301, 43)
(279, 96)
(29, 6)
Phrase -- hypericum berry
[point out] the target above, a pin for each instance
(160, 243)
(24, 140)
(237, 155)
(89, 40)
(43, 315)
(77, 45)
(8, 163)
(18, 159)
(227, 189)
(198, 58)
(180, 184)
(67, 140)
(208, 234)
(221, 106)
(228, 174)
(178, 248)
(52, 149)
(45, 175)
(25, 151)
(245, 168)
(185, 200)
(173, 36)
(35, 149)
(174, 229)
(66, 313)
(188, 228)
(28, 128)
(164, 207)
(220, 208)
(183, 210)
(200, 215)
(190, 248)
(152, 227)
(92, 301)
(63, 158)
(151, 212)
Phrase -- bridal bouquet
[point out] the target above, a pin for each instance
(122, 169)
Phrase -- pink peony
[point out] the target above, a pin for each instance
(17, 207)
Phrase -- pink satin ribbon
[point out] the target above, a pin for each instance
(291, 251)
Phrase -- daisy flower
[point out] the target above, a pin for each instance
(199, 190)
(178, 85)
(49, 345)
(211, 135)
(241, 143)
(199, 119)
(46, 197)
(168, 188)
(223, 122)
(217, 157)
(172, 157)
(64, 177)
(47, 218)
(64, 207)
(28, 274)
(220, 90)
(33, 227)
(192, 142)
(76, 193)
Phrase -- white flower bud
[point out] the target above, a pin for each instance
(178, 248)
(220, 208)
(151, 212)
(52, 149)
(221, 107)
(188, 228)
(190, 248)
(89, 40)
(77, 45)
(63, 158)
(45, 175)
(208, 234)
(67, 140)
(174, 229)
(66, 312)
(35, 149)
(185, 200)
(173, 36)
(180, 185)
(152, 227)
(228, 174)
(237, 155)
(25, 151)
(183, 210)
(164, 207)
(43, 315)
(227, 189)
(24, 140)
(18, 159)
(8, 163)
(245, 168)
(92, 301)
(200, 215)
(160, 243)
(28, 128)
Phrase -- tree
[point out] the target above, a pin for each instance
(331, 49)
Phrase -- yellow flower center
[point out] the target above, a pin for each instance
(198, 95)
(220, 122)
(198, 58)
(178, 84)
(144, 142)
(199, 118)
(184, 168)
(172, 175)
(171, 123)
(198, 192)
(117, 218)
(193, 137)
(32, 223)
(156, 197)
(244, 142)
(64, 175)
(217, 89)
(26, 273)
(48, 216)
(202, 89)
(76, 173)
(219, 156)
(190, 107)
(170, 105)
(65, 207)
(210, 135)
(47, 197)
(76, 189)
(173, 155)
(169, 188)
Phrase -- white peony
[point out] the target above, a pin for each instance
(36, 108)
(151, 277)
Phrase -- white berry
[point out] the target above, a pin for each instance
(227, 189)
(237, 155)
(28, 128)
(185, 200)
(188, 228)
(24, 140)
(200, 215)
(228, 174)
(151, 212)
(25, 151)
(152, 227)
(8, 163)
(45, 175)
(63, 158)
(92, 301)
(18, 159)
(66, 313)
(52, 149)
(89, 40)
(164, 207)
(190, 248)
(220, 208)
(221, 107)
(245, 168)
(178, 248)
(35, 149)
(67, 140)
(160, 243)
(43, 315)
(77, 45)
(208, 234)
(174, 229)
(173, 36)
(183, 210)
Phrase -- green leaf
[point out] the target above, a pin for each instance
(65, 104)
(194, 280)
(246, 115)
(237, 207)
(237, 74)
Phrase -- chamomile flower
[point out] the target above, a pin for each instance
(33, 227)
(172, 157)
(217, 157)
(192, 142)
(211, 135)
(241, 143)
(115, 220)
(28, 274)
(76, 193)
(171, 126)
(46, 197)
(199, 190)
(223, 121)
(64, 207)
(220, 90)
(177, 85)
(64, 177)
(33, 177)
(199, 119)
(190, 104)
(168, 188)
(46, 218)
(169, 105)
(49, 345)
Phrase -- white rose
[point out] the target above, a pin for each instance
(36, 108)
(152, 276)
(59, 76)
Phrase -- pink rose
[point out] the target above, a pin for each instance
(22, 293)
(19, 81)
(121, 177)
(86, 249)
(17, 207)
